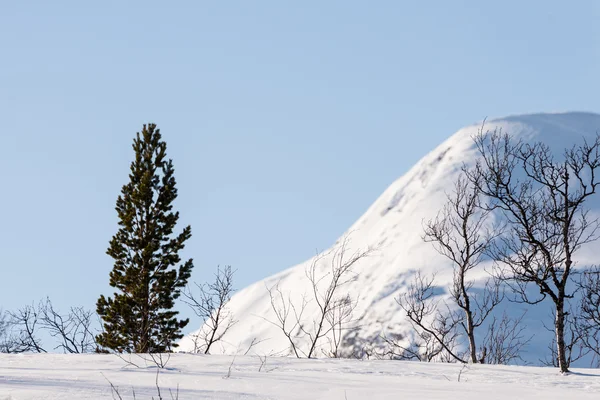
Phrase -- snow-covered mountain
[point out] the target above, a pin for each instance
(395, 222)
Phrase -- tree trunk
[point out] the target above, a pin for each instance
(469, 315)
(560, 336)
(471, 336)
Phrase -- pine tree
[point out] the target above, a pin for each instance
(140, 318)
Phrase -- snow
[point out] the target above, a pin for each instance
(56, 377)
(395, 221)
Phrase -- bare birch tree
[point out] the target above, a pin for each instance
(210, 304)
(504, 340)
(288, 317)
(20, 329)
(334, 306)
(460, 233)
(432, 319)
(543, 200)
(72, 330)
(25, 325)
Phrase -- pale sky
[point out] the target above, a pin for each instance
(285, 121)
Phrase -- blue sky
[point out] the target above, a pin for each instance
(285, 120)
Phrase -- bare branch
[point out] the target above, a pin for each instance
(25, 322)
(72, 330)
(504, 340)
(428, 320)
(335, 308)
(210, 304)
(460, 232)
(543, 200)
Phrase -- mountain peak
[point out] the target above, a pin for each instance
(395, 223)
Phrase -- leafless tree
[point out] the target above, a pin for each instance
(440, 330)
(504, 340)
(288, 317)
(72, 330)
(543, 200)
(431, 318)
(460, 233)
(24, 323)
(210, 304)
(20, 329)
(335, 307)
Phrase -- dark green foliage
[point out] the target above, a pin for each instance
(140, 317)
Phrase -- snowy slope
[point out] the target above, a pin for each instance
(84, 377)
(395, 221)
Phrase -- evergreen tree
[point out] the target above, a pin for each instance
(140, 318)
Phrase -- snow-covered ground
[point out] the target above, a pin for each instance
(54, 377)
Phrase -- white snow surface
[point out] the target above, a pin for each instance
(86, 376)
(395, 221)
